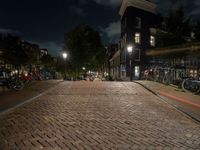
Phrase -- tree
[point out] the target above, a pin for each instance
(12, 51)
(32, 51)
(176, 29)
(164, 39)
(197, 31)
(47, 60)
(84, 47)
(177, 23)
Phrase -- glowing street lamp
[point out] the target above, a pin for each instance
(64, 54)
(130, 51)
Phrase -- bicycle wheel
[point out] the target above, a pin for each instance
(197, 89)
(198, 92)
(166, 80)
(186, 85)
(18, 85)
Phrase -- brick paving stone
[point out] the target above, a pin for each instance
(10, 98)
(98, 115)
(185, 101)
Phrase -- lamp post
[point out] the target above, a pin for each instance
(84, 73)
(130, 51)
(64, 54)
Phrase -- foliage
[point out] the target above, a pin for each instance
(32, 51)
(176, 27)
(21, 53)
(84, 47)
(197, 31)
(164, 39)
(12, 51)
(47, 60)
(178, 23)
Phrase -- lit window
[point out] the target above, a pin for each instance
(152, 41)
(137, 38)
(138, 22)
(137, 71)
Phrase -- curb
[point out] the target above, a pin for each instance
(146, 88)
(164, 100)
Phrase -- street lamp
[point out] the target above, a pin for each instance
(130, 51)
(64, 54)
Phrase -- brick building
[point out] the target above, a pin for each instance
(138, 20)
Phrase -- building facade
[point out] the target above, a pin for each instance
(172, 64)
(138, 18)
(107, 69)
(139, 25)
(115, 66)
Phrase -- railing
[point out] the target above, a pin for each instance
(191, 85)
(163, 75)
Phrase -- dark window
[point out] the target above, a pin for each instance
(138, 22)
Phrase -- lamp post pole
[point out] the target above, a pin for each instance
(130, 51)
(65, 58)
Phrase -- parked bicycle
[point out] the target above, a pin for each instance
(191, 85)
(12, 82)
(29, 76)
(26, 77)
(166, 79)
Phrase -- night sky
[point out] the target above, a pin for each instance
(44, 22)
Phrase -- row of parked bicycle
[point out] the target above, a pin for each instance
(163, 75)
(192, 85)
(18, 81)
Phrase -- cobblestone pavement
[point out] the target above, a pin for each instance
(98, 115)
(11, 98)
(185, 101)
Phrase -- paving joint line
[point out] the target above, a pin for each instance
(164, 100)
(9, 110)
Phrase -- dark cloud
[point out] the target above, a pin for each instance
(46, 21)
(112, 31)
(77, 10)
(7, 31)
(52, 47)
(191, 7)
(112, 3)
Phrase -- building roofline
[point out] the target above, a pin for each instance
(140, 4)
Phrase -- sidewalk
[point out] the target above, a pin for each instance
(187, 102)
(11, 98)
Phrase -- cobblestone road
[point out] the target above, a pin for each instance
(98, 115)
(11, 98)
(185, 101)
